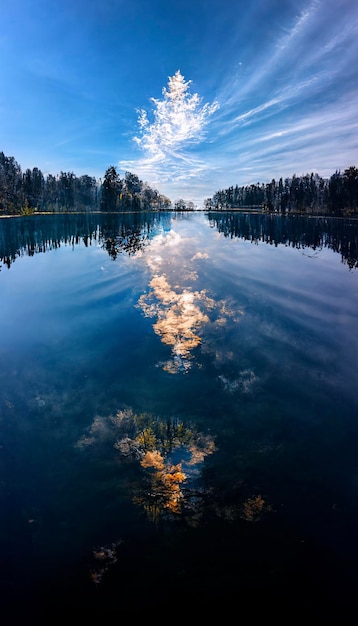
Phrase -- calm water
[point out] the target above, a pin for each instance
(178, 412)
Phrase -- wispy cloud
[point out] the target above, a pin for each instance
(268, 63)
(296, 110)
(179, 119)
(177, 122)
(289, 108)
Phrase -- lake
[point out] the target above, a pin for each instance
(178, 412)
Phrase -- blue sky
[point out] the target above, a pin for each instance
(193, 96)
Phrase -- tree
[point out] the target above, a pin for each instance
(51, 193)
(132, 183)
(111, 189)
(350, 180)
(11, 196)
(86, 192)
(66, 188)
(180, 205)
(38, 185)
(336, 192)
(33, 187)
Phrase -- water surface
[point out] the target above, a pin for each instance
(178, 411)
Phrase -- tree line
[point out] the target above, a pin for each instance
(24, 193)
(310, 193)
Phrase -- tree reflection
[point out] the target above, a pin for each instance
(105, 557)
(254, 508)
(163, 463)
(168, 452)
(127, 233)
(339, 235)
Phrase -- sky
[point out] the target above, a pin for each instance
(192, 96)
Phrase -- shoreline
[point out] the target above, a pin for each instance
(243, 210)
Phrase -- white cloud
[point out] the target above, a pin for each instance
(178, 121)
(290, 107)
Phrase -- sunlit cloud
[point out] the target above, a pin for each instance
(295, 110)
(258, 75)
(177, 123)
(200, 255)
(178, 119)
(286, 108)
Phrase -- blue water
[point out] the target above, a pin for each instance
(178, 411)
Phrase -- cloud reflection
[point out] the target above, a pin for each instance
(169, 455)
(181, 313)
(169, 451)
(179, 316)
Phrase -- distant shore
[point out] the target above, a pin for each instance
(248, 211)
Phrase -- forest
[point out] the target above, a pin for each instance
(308, 194)
(29, 192)
(25, 193)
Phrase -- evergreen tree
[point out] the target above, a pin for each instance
(111, 189)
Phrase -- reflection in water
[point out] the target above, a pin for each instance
(130, 232)
(339, 235)
(169, 455)
(243, 383)
(105, 557)
(179, 310)
(179, 318)
(253, 509)
(116, 233)
(169, 486)
(168, 451)
(254, 469)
